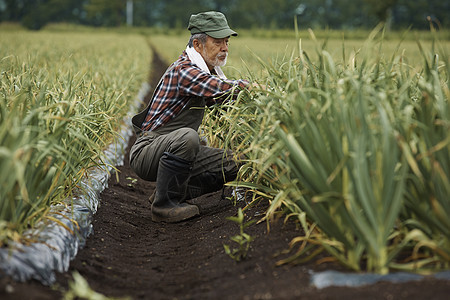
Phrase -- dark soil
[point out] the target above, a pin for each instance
(129, 255)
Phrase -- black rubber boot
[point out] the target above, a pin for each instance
(204, 183)
(171, 185)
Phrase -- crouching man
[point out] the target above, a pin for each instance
(168, 148)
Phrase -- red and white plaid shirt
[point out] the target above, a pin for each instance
(184, 81)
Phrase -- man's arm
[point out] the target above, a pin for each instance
(195, 82)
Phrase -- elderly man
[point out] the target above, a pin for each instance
(168, 147)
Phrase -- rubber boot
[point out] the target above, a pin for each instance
(199, 185)
(171, 185)
(204, 183)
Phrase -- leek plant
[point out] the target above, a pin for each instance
(62, 101)
(426, 144)
(356, 150)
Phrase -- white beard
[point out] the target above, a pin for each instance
(216, 62)
(221, 63)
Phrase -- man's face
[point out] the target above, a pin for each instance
(214, 51)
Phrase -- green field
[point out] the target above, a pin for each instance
(350, 138)
(244, 49)
(63, 99)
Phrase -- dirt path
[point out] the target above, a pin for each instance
(129, 255)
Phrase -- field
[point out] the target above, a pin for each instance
(244, 49)
(350, 143)
(61, 94)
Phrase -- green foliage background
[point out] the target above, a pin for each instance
(267, 14)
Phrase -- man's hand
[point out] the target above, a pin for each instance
(256, 85)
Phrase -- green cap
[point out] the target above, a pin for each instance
(212, 23)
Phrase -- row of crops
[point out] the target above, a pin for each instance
(350, 138)
(63, 97)
(356, 148)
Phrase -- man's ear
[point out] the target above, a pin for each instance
(197, 45)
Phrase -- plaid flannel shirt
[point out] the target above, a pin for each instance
(184, 81)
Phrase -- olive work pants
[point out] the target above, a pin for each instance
(184, 143)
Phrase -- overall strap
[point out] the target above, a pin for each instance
(139, 118)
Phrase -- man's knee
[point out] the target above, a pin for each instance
(186, 145)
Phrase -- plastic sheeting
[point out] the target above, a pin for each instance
(334, 278)
(56, 246)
